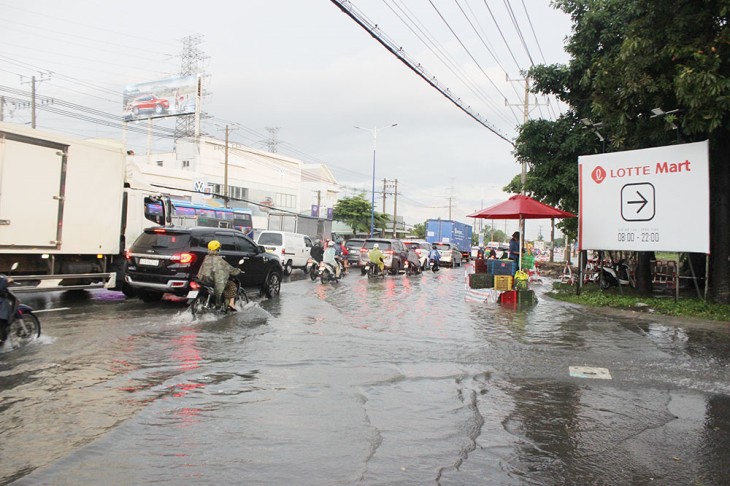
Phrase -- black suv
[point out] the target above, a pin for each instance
(164, 260)
(395, 253)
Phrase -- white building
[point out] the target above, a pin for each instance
(255, 179)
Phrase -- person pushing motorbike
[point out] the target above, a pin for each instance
(215, 271)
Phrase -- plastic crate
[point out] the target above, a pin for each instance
(481, 281)
(508, 297)
(503, 282)
(501, 267)
(480, 266)
(528, 262)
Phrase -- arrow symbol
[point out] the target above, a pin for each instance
(642, 202)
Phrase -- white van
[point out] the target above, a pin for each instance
(291, 248)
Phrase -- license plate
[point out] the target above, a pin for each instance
(192, 294)
(148, 262)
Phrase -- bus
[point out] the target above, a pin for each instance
(186, 213)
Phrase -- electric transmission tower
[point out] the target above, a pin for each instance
(192, 63)
(272, 143)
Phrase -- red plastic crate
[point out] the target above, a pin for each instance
(508, 297)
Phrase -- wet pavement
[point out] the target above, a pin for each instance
(393, 381)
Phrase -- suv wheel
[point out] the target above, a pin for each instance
(150, 296)
(272, 287)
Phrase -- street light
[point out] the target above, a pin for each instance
(374, 131)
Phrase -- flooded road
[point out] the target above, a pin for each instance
(394, 381)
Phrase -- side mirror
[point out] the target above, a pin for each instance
(262, 249)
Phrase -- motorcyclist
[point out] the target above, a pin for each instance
(317, 251)
(413, 259)
(343, 253)
(215, 271)
(7, 307)
(435, 256)
(376, 257)
(330, 258)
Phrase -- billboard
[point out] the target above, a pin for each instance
(655, 199)
(165, 97)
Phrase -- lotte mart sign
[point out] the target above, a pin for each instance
(655, 199)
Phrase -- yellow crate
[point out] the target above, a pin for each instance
(502, 282)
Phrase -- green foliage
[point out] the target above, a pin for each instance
(356, 211)
(419, 230)
(687, 307)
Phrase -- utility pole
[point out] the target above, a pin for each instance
(33, 81)
(395, 209)
(319, 201)
(225, 173)
(385, 185)
(2, 107)
(272, 143)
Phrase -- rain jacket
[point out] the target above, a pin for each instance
(413, 258)
(215, 271)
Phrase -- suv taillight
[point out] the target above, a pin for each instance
(389, 252)
(363, 250)
(183, 258)
(127, 254)
(194, 285)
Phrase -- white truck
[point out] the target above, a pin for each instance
(68, 209)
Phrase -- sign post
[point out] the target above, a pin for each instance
(655, 199)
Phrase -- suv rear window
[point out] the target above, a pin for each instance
(383, 245)
(350, 245)
(273, 239)
(172, 241)
(442, 246)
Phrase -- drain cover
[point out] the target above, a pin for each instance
(588, 372)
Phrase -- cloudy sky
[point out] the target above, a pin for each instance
(307, 68)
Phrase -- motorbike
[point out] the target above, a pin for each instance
(434, 264)
(312, 269)
(23, 326)
(616, 275)
(412, 268)
(201, 298)
(327, 274)
(373, 271)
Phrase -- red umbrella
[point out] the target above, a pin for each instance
(521, 207)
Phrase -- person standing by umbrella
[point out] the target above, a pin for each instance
(514, 246)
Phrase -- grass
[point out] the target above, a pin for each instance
(592, 295)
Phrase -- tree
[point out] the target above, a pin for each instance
(356, 212)
(628, 57)
(419, 230)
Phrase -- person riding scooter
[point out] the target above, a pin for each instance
(434, 257)
(330, 259)
(376, 257)
(215, 271)
(413, 260)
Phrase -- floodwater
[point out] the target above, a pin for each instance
(393, 381)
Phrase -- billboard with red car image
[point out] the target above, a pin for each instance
(165, 97)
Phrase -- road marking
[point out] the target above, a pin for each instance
(588, 372)
(51, 310)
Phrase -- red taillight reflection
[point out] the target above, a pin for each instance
(183, 258)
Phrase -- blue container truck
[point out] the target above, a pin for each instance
(448, 231)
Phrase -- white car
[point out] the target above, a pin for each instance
(292, 248)
(450, 254)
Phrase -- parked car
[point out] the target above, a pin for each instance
(450, 254)
(394, 252)
(353, 251)
(291, 248)
(165, 260)
(422, 248)
(148, 103)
